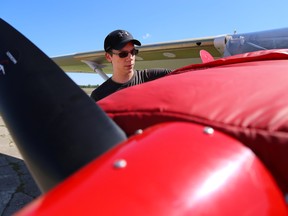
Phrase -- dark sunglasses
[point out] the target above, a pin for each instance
(124, 54)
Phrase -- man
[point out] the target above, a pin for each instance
(120, 50)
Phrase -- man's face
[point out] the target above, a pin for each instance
(122, 65)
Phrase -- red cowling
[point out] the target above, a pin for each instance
(244, 96)
(170, 169)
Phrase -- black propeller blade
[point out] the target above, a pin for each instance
(55, 125)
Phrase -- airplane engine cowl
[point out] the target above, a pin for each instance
(244, 96)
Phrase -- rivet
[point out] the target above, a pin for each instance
(208, 130)
(139, 131)
(120, 164)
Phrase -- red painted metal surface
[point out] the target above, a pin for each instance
(243, 96)
(170, 169)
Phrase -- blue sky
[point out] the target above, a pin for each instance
(60, 27)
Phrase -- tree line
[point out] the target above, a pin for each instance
(88, 86)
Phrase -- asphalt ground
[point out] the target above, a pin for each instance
(17, 187)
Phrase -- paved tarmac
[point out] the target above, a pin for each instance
(17, 187)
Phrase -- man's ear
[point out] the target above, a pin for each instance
(108, 57)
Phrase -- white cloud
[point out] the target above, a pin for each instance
(147, 35)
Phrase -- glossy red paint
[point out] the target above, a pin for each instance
(243, 96)
(171, 169)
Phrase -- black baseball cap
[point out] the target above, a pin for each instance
(118, 39)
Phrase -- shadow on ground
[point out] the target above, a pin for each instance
(17, 187)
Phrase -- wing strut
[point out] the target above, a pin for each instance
(96, 68)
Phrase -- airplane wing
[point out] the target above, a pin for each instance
(170, 55)
(176, 54)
